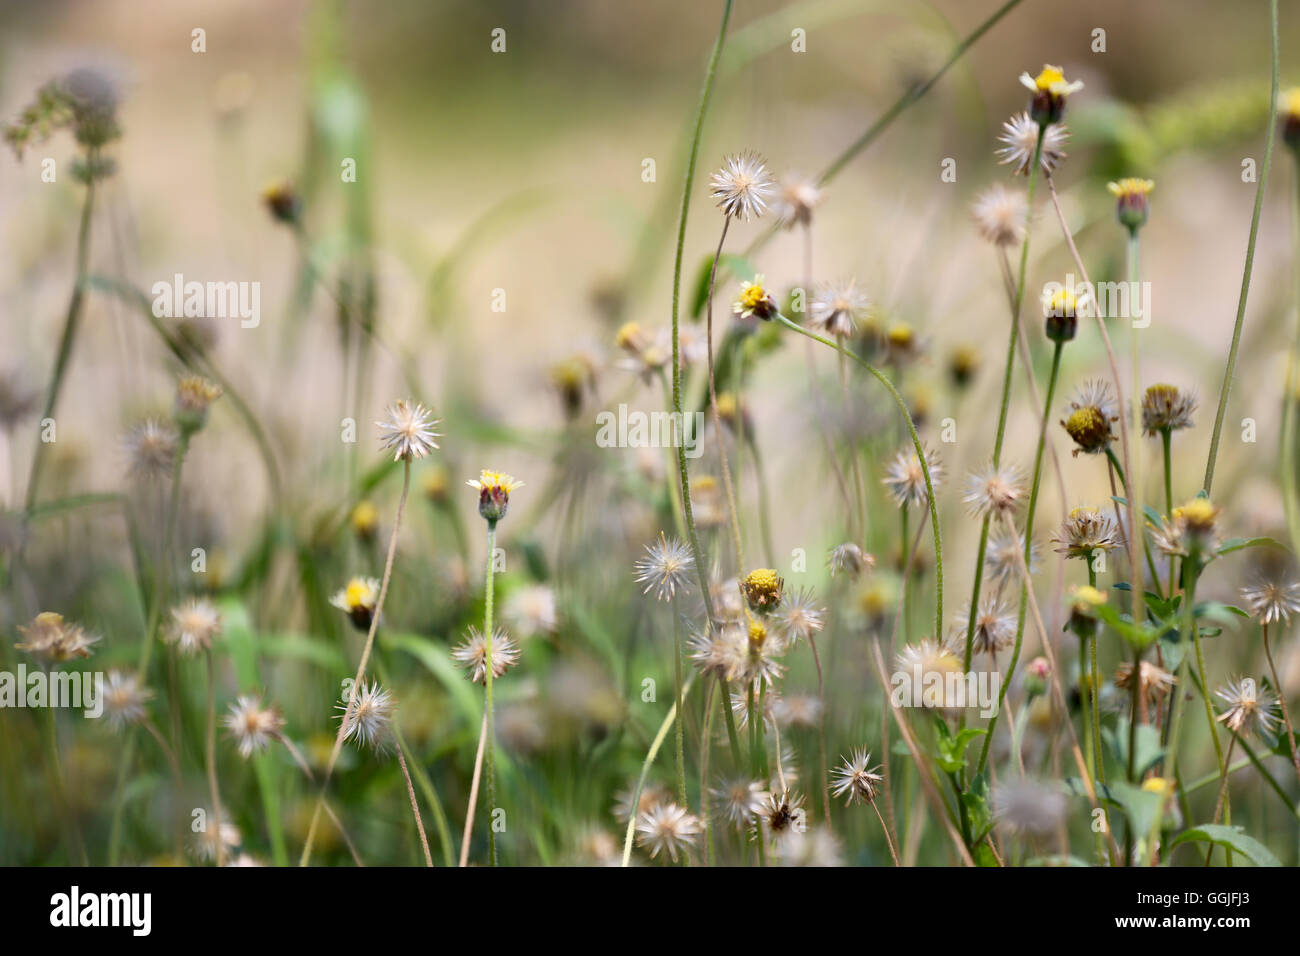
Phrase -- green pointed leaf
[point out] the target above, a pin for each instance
(1234, 838)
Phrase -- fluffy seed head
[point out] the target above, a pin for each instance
(1090, 414)
(408, 431)
(125, 699)
(838, 307)
(905, 478)
(473, 654)
(1000, 215)
(195, 622)
(251, 725)
(996, 490)
(151, 449)
(1085, 531)
(666, 827)
(1166, 408)
(369, 717)
(1020, 137)
(665, 568)
(856, 779)
(1271, 602)
(54, 640)
(742, 187)
(1250, 709)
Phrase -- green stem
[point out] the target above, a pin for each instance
(1291, 397)
(1222, 412)
(916, 444)
(645, 770)
(677, 695)
(1029, 533)
(705, 95)
(489, 588)
(1009, 367)
(71, 323)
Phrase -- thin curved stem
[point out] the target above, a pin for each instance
(653, 752)
(916, 444)
(1250, 252)
(361, 666)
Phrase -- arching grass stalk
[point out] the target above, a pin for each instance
(713, 409)
(653, 752)
(415, 808)
(71, 323)
(1000, 437)
(1291, 398)
(916, 444)
(361, 666)
(677, 695)
(1250, 254)
(706, 93)
(1029, 537)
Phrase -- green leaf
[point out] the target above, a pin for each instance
(975, 804)
(1237, 544)
(736, 265)
(1149, 751)
(952, 750)
(1234, 838)
(1140, 806)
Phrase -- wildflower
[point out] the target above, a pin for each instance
(357, 600)
(739, 652)
(742, 187)
(283, 202)
(151, 449)
(754, 300)
(902, 344)
(905, 477)
(838, 307)
(798, 617)
(1090, 415)
(781, 814)
(1050, 90)
(194, 395)
(1289, 107)
(855, 779)
(996, 490)
(1085, 531)
(1154, 682)
(212, 842)
(1133, 202)
(1166, 408)
(995, 625)
(408, 432)
(1037, 673)
(740, 708)
(1250, 709)
(924, 669)
(1028, 806)
(739, 799)
(494, 489)
(762, 589)
(849, 559)
(734, 413)
(194, 624)
(368, 716)
(1192, 529)
(364, 520)
(814, 847)
(252, 725)
(665, 567)
(1020, 139)
(796, 199)
(652, 794)
(1000, 215)
(435, 485)
(532, 610)
(963, 363)
(1003, 555)
(1061, 310)
(1270, 602)
(125, 699)
(55, 640)
(473, 654)
(667, 827)
(797, 710)
(1082, 602)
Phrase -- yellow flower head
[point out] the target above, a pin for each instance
(365, 519)
(754, 300)
(1289, 103)
(1198, 515)
(357, 599)
(1050, 89)
(762, 589)
(1133, 201)
(283, 202)
(494, 489)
